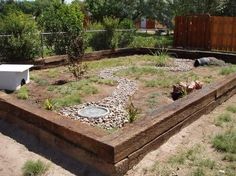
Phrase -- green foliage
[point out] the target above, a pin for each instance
(125, 38)
(198, 172)
(231, 109)
(184, 156)
(140, 41)
(223, 118)
(62, 18)
(22, 93)
(81, 87)
(68, 100)
(225, 142)
(228, 70)
(24, 40)
(48, 104)
(34, 168)
(78, 70)
(132, 111)
(111, 39)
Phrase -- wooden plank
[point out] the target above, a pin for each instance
(234, 35)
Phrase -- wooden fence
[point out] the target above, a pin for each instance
(205, 32)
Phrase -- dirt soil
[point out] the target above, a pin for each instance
(20, 147)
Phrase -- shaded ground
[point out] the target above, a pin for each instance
(189, 152)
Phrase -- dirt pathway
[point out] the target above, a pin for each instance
(13, 154)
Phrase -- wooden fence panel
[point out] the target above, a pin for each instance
(192, 32)
(205, 32)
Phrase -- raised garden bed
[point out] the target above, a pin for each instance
(113, 152)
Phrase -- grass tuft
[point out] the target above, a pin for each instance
(34, 168)
(225, 142)
(68, 100)
(198, 172)
(231, 109)
(228, 70)
(223, 118)
(23, 93)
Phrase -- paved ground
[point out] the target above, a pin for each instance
(17, 147)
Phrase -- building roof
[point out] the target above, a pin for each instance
(14, 67)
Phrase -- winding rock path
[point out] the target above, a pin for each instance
(117, 116)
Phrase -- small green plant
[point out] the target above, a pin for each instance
(78, 69)
(231, 109)
(23, 93)
(162, 59)
(34, 168)
(48, 104)
(198, 172)
(223, 118)
(132, 111)
(225, 142)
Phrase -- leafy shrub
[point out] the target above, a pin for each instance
(23, 44)
(34, 168)
(140, 41)
(107, 39)
(62, 18)
(125, 38)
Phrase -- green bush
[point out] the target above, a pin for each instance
(125, 38)
(62, 18)
(140, 41)
(23, 44)
(111, 39)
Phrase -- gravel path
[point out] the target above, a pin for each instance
(117, 115)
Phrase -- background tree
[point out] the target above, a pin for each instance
(23, 42)
(229, 8)
(61, 18)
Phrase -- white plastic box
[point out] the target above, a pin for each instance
(13, 76)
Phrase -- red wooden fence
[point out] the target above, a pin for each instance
(205, 32)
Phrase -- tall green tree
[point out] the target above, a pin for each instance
(61, 18)
(230, 8)
(22, 41)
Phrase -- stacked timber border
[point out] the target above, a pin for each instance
(55, 61)
(116, 153)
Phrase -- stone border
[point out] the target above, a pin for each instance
(116, 153)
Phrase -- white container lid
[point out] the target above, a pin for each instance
(14, 67)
